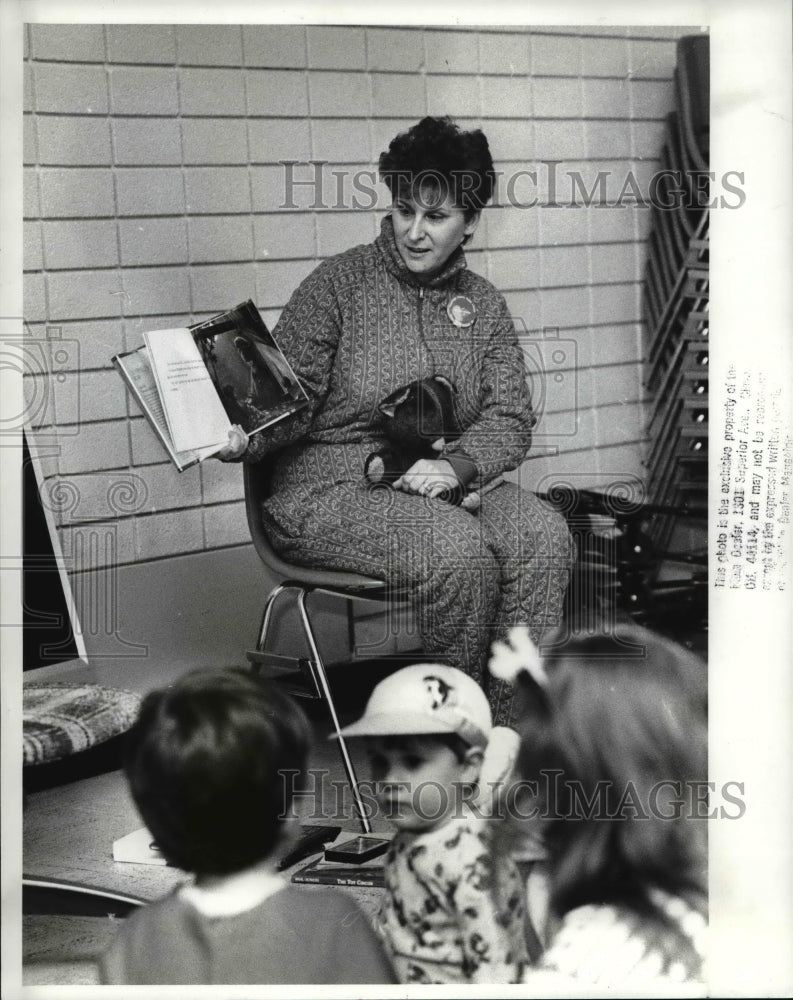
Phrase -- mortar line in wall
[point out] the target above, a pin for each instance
(609, 325)
(93, 319)
(359, 71)
(173, 265)
(114, 176)
(310, 118)
(147, 515)
(552, 439)
(499, 120)
(358, 162)
(554, 288)
(249, 165)
(64, 324)
(589, 263)
(615, 324)
(302, 212)
(370, 120)
(488, 261)
(583, 449)
(573, 287)
(521, 160)
(36, 175)
(527, 30)
(520, 289)
(531, 331)
(650, 76)
(116, 214)
(47, 321)
(384, 116)
(100, 420)
(198, 264)
(182, 176)
(631, 125)
(422, 70)
(171, 555)
(241, 69)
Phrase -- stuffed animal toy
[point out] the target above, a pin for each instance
(413, 418)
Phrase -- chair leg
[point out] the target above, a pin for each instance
(275, 593)
(323, 683)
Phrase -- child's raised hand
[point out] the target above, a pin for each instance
(498, 764)
(237, 443)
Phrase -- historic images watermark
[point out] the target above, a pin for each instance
(326, 799)
(314, 185)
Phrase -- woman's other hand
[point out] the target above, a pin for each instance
(237, 443)
(429, 476)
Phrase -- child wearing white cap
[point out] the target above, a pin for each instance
(453, 910)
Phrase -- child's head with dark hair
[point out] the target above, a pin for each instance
(208, 763)
(613, 729)
(435, 159)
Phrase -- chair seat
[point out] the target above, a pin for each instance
(333, 580)
(62, 719)
(316, 576)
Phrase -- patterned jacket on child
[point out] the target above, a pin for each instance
(454, 911)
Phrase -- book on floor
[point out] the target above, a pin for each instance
(334, 868)
(321, 872)
(193, 383)
(138, 848)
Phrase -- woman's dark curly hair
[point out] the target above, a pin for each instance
(437, 153)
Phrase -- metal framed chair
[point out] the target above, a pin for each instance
(310, 672)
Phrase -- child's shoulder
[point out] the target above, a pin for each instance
(158, 912)
(144, 936)
(661, 950)
(315, 900)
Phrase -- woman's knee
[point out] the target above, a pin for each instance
(454, 553)
(522, 525)
(562, 544)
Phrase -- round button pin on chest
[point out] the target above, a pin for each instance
(461, 311)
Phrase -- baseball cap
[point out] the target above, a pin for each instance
(424, 699)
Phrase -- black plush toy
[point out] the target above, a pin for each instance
(413, 418)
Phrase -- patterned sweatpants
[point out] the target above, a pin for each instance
(468, 577)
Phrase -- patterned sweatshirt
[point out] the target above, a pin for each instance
(359, 327)
(454, 910)
(610, 947)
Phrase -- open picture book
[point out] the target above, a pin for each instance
(193, 383)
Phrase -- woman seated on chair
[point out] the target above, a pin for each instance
(365, 323)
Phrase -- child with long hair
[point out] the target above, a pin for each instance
(614, 747)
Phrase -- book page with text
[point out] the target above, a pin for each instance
(195, 415)
(135, 368)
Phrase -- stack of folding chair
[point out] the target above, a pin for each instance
(676, 297)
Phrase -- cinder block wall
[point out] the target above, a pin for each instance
(155, 192)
